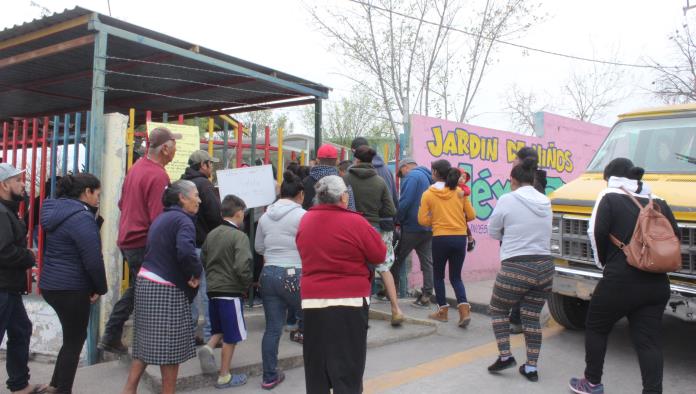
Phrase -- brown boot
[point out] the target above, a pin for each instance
(441, 314)
(464, 314)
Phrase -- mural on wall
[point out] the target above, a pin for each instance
(565, 147)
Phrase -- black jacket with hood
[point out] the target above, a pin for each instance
(15, 258)
(615, 213)
(209, 216)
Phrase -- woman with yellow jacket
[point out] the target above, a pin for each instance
(445, 208)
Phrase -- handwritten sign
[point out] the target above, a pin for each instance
(254, 185)
(189, 143)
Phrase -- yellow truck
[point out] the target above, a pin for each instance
(663, 142)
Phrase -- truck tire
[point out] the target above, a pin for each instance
(570, 312)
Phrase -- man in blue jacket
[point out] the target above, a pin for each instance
(415, 181)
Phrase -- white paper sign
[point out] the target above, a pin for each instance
(255, 185)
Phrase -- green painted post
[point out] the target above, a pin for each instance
(252, 228)
(165, 117)
(317, 124)
(96, 153)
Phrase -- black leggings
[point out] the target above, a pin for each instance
(643, 304)
(72, 308)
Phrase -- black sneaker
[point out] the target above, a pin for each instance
(116, 347)
(422, 302)
(531, 376)
(500, 365)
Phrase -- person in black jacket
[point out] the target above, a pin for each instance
(15, 260)
(199, 171)
(72, 275)
(623, 291)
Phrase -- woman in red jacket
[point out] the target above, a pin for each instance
(336, 245)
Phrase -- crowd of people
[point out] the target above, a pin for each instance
(334, 227)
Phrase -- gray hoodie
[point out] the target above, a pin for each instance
(275, 237)
(522, 221)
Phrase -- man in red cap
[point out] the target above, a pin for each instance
(327, 158)
(140, 204)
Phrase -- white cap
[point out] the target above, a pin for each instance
(7, 171)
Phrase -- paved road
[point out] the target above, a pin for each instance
(455, 361)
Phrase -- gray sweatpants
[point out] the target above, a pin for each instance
(421, 242)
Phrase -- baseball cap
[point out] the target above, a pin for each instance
(327, 151)
(7, 171)
(201, 156)
(406, 160)
(161, 135)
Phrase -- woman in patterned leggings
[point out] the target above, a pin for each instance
(522, 221)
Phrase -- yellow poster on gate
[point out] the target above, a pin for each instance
(189, 143)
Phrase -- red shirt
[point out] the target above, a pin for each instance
(141, 202)
(336, 245)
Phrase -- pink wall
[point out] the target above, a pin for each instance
(565, 149)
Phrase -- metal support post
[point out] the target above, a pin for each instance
(317, 125)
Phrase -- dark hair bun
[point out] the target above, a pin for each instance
(530, 163)
(365, 154)
(290, 176)
(636, 173)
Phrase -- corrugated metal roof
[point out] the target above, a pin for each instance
(62, 82)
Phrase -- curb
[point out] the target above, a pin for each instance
(285, 363)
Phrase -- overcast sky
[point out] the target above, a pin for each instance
(279, 34)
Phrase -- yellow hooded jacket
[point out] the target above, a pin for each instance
(446, 211)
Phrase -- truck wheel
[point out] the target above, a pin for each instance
(570, 312)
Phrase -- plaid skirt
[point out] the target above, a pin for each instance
(163, 324)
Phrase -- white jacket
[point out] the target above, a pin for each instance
(522, 220)
(275, 237)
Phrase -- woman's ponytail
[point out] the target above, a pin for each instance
(452, 180)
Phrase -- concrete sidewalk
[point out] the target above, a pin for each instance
(109, 377)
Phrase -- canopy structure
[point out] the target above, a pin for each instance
(81, 60)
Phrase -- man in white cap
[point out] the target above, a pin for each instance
(15, 260)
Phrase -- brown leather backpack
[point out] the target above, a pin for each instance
(653, 247)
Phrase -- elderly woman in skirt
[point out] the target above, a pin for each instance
(166, 284)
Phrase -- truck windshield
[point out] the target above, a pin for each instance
(657, 145)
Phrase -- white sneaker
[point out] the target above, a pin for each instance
(207, 359)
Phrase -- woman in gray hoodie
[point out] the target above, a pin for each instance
(522, 221)
(280, 278)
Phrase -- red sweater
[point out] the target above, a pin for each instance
(335, 245)
(141, 202)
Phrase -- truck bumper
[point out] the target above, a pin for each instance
(580, 283)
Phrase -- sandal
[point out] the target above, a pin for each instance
(297, 336)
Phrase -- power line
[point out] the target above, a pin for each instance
(526, 47)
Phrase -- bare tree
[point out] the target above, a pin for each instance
(522, 106)
(676, 83)
(395, 56)
(496, 21)
(591, 93)
(357, 115)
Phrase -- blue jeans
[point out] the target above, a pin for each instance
(450, 248)
(202, 298)
(280, 289)
(14, 320)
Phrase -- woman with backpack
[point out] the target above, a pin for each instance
(624, 290)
